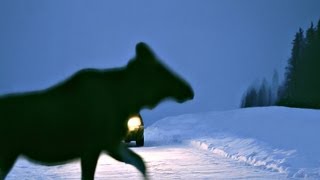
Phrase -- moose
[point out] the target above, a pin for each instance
(86, 114)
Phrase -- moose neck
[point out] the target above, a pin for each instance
(124, 89)
(133, 94)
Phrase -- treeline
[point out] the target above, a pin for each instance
(263, 93)
(301, 86)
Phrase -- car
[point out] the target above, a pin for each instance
(135, 130)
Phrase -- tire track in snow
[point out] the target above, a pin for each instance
(177, 161)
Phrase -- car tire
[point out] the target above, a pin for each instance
(140, 142)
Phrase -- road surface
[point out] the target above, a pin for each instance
(177, 161)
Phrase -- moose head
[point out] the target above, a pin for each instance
(156, 82)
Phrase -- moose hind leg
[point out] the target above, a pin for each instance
(124, 154)
(6, 163)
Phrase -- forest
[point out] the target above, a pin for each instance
(301, 85)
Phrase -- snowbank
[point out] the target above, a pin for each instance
(276, 138)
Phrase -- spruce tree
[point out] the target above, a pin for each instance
(291, 83)
(274, 88)
(302, 83)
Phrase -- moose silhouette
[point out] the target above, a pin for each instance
(86, 114)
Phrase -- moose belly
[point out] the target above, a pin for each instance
(52, 151)
(52, 155)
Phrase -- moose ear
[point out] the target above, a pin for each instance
(143, 52)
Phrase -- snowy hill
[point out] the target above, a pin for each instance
(281, 139)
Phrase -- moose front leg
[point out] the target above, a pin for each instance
(124, 154)
(88, 165)
(7, 161)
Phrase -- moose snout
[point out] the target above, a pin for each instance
(186, 94)
(190, 94)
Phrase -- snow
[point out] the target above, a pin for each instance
(280, 139)
(251, 143)
(174, 161)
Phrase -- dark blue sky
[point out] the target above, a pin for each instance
(220, 47)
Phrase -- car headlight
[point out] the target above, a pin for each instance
(134, 123)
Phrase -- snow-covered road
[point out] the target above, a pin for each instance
(179, 161)
(252, 143)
